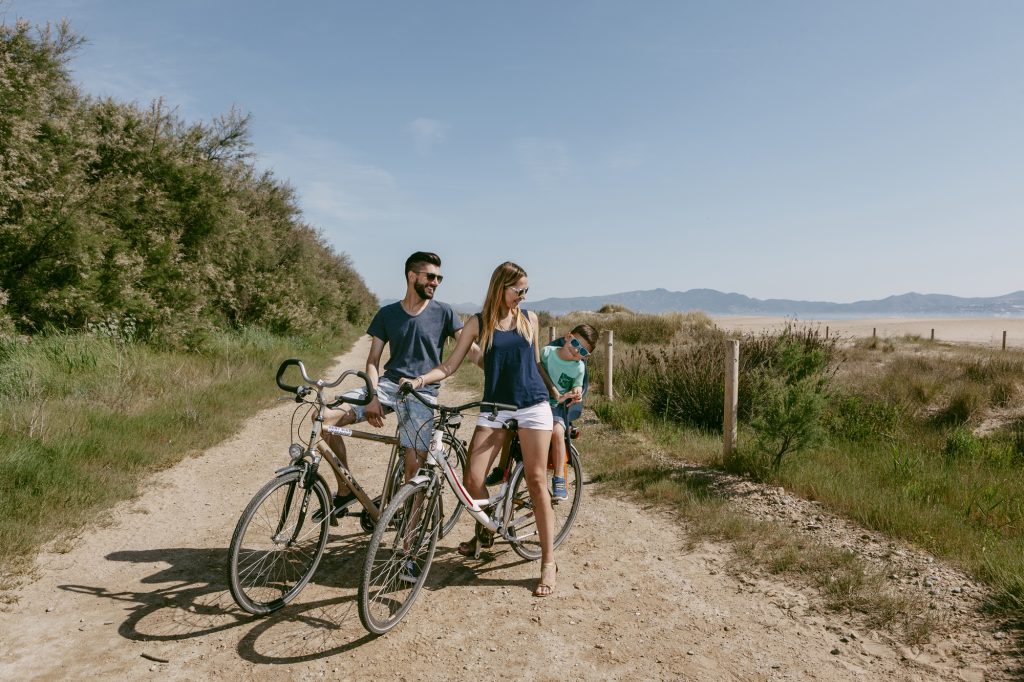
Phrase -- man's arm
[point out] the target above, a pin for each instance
(374, 410)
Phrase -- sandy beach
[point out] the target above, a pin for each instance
(984, 331)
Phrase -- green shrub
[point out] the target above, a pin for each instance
(855, 418)
(622, 414)
(164, 228)
(961, 444)
(788, 416)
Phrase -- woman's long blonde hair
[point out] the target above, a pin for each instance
(504, 276)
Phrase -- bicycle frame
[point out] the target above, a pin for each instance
(477, 508)
(319, 449)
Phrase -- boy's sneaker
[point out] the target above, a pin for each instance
(496, 476)
(558, 491)
(410, 572)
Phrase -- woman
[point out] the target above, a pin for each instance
(508, 337)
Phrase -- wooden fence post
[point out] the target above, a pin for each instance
(1004, 339)
(551, 334)
(609, 391)
(874, 332)
(732, 374)
(826, 331)
(933, 335)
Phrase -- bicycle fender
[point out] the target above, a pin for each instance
(416, 480)
(287, 469)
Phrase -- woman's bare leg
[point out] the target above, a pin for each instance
(535, 444)
(483, 448)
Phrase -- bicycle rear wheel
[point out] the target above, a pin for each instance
(399, 557)
(277, 544)
(526, 539)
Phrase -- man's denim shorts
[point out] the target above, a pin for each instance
(414, 418)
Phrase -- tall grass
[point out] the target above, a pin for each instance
(83, 418)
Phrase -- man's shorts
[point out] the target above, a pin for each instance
(415, 420)
(534, 417)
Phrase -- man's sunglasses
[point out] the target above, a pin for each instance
(431, 276)
(521, 293)
(575, 343)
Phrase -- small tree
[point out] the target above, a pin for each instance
(791, 399)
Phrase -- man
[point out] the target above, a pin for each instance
(416, 329)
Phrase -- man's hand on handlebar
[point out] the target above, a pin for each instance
(375, 413)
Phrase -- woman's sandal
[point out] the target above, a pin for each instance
(546, 584)
(482, 539)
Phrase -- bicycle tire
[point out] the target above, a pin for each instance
(452, 445)
(525, 540)
(401, 536)
(266, 568)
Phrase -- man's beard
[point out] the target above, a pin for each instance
(421, 289)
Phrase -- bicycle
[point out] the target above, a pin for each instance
(564, 510)
(403, 543)
(283, 531)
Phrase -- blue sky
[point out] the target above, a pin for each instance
(815, 150)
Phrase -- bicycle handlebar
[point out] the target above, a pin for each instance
(487, 405)
(321, 384)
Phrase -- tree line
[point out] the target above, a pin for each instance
(128, 217)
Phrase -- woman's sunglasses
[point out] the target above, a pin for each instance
(575, 343)
(521, 293)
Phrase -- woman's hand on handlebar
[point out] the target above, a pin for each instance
(415, 384)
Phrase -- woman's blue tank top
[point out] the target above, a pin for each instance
(510, 370)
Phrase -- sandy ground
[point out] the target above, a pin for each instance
(987, 331)
(142, 595)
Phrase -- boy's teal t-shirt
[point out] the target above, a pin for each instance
(567, 374)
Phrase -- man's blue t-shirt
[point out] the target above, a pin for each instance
(416, 340)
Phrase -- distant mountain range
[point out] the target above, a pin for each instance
(717, 303)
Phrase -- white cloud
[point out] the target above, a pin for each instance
(545, 160)
(427, 132)
(333, 186)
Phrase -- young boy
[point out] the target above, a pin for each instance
(562, 369)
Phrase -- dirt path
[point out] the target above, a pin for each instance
(143, 596)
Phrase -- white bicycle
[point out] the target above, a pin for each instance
(405, 538)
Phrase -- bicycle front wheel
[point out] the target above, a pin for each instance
(450, 509)
(278, 543)
(399, 557)
(526, 538)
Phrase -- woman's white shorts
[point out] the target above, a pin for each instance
(534, 417)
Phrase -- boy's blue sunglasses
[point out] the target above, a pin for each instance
(575, 343)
